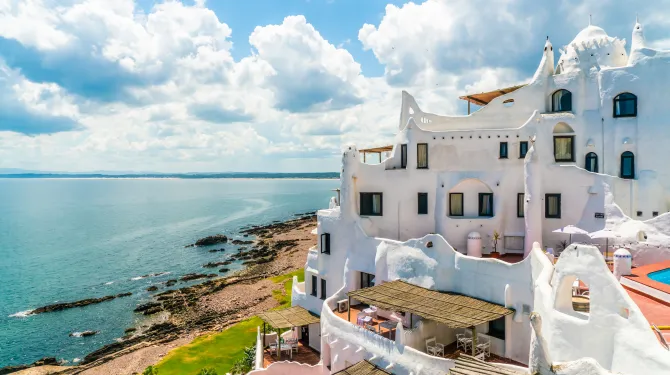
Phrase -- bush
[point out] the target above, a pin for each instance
(246, 363)
(150, 371)
(207, 371)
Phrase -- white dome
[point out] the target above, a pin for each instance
(622, 253)
(590, 33)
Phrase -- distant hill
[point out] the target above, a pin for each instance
(19, 173)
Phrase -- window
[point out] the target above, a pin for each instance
(627, 165)
(503, 150)
(552, 206)
(564, 148)
(639, 213)
(323, 288)
(455, 204)
(423, 203)
(403, 156)
(314, 285)
(367, 280)
(485, 204)
(591, 163)
(654, 213)
(625, 105)
(325, 243)
(523, 149)
(497, 328)
(422, 155)
(561, 101)
(519, 205)
(371, 204)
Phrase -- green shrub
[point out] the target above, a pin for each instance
(150, 371)
(246, 363)
(208, 371)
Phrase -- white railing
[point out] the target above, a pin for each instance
(259, 350)
(293, 368)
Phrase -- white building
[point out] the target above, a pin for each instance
(584, 143)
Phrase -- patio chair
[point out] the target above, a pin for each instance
(463, 341)
(272, 348)
(371, 311)
(362, 319)
(371, 328)
(434, 348)
(483, 347)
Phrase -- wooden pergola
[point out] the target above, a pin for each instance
(451, 309)
(295, 316)
(363, 367)
(484, 98)
(467, 365)
(375, 150)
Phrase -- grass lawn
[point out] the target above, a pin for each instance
(221, 350)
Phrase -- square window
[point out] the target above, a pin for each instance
(552, 206)
(422, 155)
(403, 156)
(503, 150)
(455, 204)
(486, 204)
(371, 204)
(639, 213)
(564, 148)
(519, 204)
(423, 203)
(654, 213)
(523, 149)
(325, 243)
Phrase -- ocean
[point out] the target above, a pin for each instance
(64, 240)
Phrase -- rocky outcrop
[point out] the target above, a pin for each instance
(149, 308)
(130, 330)
(152, 288)
(217, 250)
(223, 270)
(171, 282)
(192, 276)
(210, 240)
(83, 334)
(213, 264)
(46, 361)
(241, 242)
(70, 305)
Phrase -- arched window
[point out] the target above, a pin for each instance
(625, 105)
(591, 163)
(561, 101)
(627, 165)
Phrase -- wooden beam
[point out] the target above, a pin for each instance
(477, 100)
(349, 309)
(474, 341)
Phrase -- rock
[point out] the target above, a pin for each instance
(152, 288)
(152, 310)
(226, 263)
(170, 282)
(222, 270)
(147, 306)
(241, 242)
(217, 250)
(46, 361)
(212, 275)
(213, 264)
(130, 330)
(69, 305)
(192, 276)
(83, 334)
(211, 240)
(245, 235)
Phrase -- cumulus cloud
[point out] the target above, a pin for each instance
(308, 73)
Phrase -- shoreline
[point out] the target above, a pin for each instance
(181, 314)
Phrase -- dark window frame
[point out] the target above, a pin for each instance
(572, 147)
(381, 204)
(619, 100)
(419, 197)
(503, 151)
(370, 277)
(631, 156)
(315, 281)
(520, 198)
(497, 328)
(462, 207)
(323, 289)
(546, 206)
(403, 156)
(325, 239)
(417, 155)
(523, 150)
(591, 155)
(553, 109)
(481, 197)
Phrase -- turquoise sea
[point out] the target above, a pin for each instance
(69, 239)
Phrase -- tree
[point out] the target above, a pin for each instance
(246, 363)
(496, 237)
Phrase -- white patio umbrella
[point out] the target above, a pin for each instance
(571, 229)
(606, 234)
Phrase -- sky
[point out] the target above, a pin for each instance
(261, 85)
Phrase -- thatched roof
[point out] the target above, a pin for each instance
(450, 309)
(376, 149)
(295, 316)
(484, 98)
(467, 365)
(363, 368)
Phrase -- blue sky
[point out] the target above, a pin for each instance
(260, 85)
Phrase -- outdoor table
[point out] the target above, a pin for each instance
(391, 326)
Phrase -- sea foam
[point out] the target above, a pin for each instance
(21, 314)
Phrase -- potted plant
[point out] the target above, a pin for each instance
(496, 237)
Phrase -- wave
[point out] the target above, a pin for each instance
(149, 275)
(109, 283)
(21, 314)
(76, 334)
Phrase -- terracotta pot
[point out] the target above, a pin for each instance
(495, 254)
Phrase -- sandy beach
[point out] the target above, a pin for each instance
(208, 307)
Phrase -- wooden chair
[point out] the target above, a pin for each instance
(434, 348)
